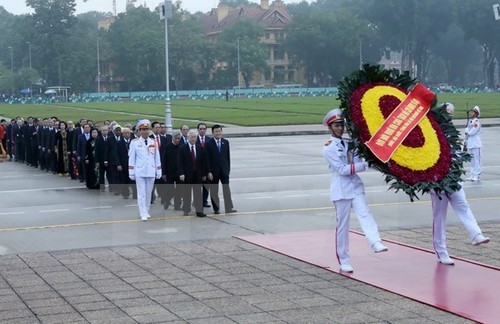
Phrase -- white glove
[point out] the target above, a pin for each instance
(158, 175)
(132, 177)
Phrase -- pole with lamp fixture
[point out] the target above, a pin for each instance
(165, 13)
(12, 67)
(31, 81)
(238, 50)
(98, 69)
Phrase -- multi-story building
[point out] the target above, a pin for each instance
(274, 18)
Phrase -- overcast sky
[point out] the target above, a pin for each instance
(19, 6)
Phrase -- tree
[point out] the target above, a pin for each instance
(459, 56)
(50, 28)
(252, 56)
(477, 20)
(137, 42)
(328, 45)
(186, 45)
(409, 26)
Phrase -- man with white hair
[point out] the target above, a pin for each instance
(144, 166)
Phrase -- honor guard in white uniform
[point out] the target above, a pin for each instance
(144, 166)
(474, 144)
(347, 191)
(458, 202)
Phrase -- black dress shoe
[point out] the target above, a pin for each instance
(206, 205)
(201, 215)
(216, 212)
(231, 211)
(165, 206)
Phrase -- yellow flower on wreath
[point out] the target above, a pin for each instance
(413, 158)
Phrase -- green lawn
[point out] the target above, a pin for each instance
(243, 112)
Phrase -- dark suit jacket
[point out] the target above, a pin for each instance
(122, 151)
(185, 164)
(76, 137)
(163, 144)
(170, 161)
(207, 139)
(219, 164)
(49, 140)
(106, 150)
(81, 146)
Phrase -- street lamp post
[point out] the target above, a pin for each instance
(98, 69)
(29, 52)
(165, 13)
(31, 81)
(12, 68)
(238, 49)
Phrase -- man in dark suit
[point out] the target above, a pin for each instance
(123, 147)
(105, 156)
(18, 131)
(184, 134)
(170, 172)
(76, 138)
(49, 145)
(219, 167)
(202, 140)
(192, 172)
(81, 149)
(161, 143)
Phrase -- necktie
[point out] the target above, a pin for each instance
(87, 137)
(158, 140)
(203, 142)
(218, 145)
(193, 157)
(105, 138)
(342, 142)
(146, 142)
(128, 144)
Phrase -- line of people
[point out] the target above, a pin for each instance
(188, 165)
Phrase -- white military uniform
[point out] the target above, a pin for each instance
(459, 203)
(144, 166)
(474, 145)
(347, 191)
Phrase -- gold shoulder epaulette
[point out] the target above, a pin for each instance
(328, 143)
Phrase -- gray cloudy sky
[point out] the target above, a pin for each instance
(19, 6)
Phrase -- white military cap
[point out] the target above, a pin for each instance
(333, 116)
(477, 110)
(143, 124)
(115, 126)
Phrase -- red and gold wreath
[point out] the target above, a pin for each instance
(423, 156)
(429, 158)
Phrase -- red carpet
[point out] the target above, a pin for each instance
(468, 289)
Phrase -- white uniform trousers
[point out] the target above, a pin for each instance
(475, 162)
(459, 203)
(144, 191)
(366, 221)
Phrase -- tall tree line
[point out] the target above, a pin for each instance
(453, 41)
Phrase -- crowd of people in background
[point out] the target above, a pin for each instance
(98, 156)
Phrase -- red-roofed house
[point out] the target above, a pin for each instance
(274, 18)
